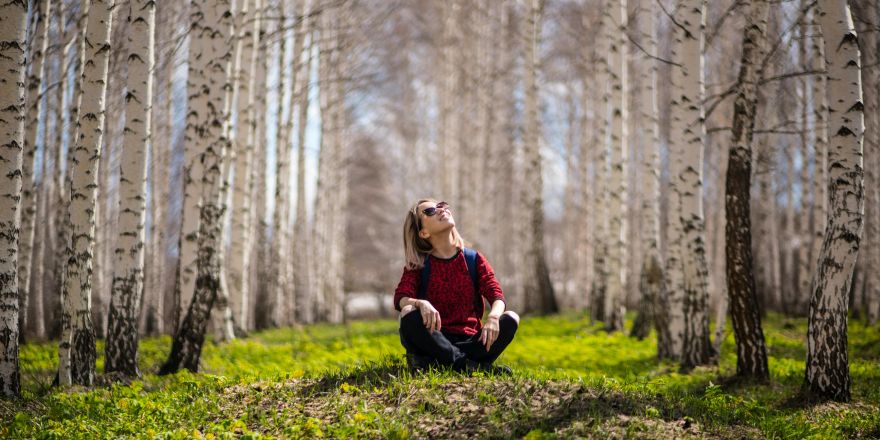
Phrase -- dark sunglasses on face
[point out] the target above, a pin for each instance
(430, 211)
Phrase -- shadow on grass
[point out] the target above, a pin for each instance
(370, 374)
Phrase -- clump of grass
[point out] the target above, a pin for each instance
(570, 379)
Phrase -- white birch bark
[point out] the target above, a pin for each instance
(866, 12)
(690, 131)
(674, 233)
(788, 294)
(300, 239)
(568, 199)
(538, 291)
(617, 245)
(128, 278)
(339, 169)
(320, 224)
(194, 146)
(12, 101)
(652, 275)
(819, 211)
(36, 51)
(803, 237)
(599, 207)
(211, 50)
(872, 199)
(258, 177)
(77, 347)
(585, 195)
(248, 30)
(750, 346)
(448, 130)
(827, 369)
(282, 171)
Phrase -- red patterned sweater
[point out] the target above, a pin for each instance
(451, 291)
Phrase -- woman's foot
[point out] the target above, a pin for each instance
(486, 367)
(417, 363)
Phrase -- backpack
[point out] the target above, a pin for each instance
(470, 256)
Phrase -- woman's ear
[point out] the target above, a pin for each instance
(424, 234)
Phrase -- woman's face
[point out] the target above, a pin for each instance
(440, 221)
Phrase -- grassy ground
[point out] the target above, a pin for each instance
(570, 379)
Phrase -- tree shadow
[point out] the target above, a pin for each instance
(369, 374)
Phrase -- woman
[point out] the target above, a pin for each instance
(440, 321)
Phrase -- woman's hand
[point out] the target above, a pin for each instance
(430, 315)
(490, 332)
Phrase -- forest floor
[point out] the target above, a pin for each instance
(570, 379)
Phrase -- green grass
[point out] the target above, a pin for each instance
(571, 379)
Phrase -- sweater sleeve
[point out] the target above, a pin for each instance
(409, 283)
(489, 286)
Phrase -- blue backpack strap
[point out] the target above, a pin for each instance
(470, 256)
(423, 281)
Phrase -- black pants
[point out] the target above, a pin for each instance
(451, 349)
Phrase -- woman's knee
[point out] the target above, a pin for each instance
(511, 315)
(407, 310)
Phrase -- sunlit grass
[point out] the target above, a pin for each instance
(571, 378)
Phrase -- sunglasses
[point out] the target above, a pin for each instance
(430, 211)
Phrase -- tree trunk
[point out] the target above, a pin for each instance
(282, 172)
(248, 30)
(537, 287)
(690, 130)
(258, 177)
(751, 352)
(866, 12)
(617, 250)
(827, 370)
(300, 236)
(209, 109)
(77, 348)
(128, 279)
(819, 211)
(12, 101)
(652, 283)
(193, 169)
(803, 237)
(599, 206)
(40, 12)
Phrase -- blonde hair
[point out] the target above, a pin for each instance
(416, 248)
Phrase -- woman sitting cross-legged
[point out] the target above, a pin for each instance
(440, 297)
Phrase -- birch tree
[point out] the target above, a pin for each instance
(866, 12)
(751, 352)
(40, 13)
(300, 238)
(652, 276)
(282, 172)
(819, 210)
(599, 207)
(539, 295)
(77, 347)
(210, 57)
(827, 369)
(193, 171)
(248, 23)
(12, 103)
(617, 61)
(689, 130)
(128, 279)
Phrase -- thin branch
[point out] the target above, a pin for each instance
(670, 16)
(791, 75)
(642, 49)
